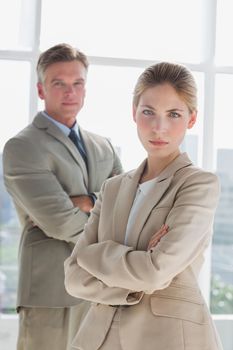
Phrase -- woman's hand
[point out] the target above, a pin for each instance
(157, 236)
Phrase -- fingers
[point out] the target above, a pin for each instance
(162, 229)
(161, 232)
(155, 239)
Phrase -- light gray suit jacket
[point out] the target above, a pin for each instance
(161, 305)
(42, 168)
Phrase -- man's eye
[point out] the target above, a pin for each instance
(147, 112)
(79, 83)
(58, 83)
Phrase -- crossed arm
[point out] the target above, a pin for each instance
(121, 271)
(83, 202)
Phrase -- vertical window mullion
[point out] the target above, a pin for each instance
(209, 88)
(210, 13)
(35, 52)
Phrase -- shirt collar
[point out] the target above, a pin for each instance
(61, 126)
(145, 187)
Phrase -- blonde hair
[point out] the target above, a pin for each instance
(177, 75)
(59, 53)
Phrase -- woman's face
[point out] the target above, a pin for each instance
(162, 118)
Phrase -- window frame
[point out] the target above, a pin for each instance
(207, 67)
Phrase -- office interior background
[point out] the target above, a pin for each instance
(121, 38)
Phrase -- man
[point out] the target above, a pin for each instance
(53, 170)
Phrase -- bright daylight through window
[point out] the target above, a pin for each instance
(118, 51)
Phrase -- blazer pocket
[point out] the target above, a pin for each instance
(177, 308)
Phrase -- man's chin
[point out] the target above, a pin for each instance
(70, 110)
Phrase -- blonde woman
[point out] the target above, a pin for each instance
(140, 254)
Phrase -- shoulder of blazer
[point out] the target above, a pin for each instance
(41, 122)
(181, 169)
(95, 139)
(202, 180)
(37, 130)
(192, 171)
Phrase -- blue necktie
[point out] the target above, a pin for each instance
(78, 143)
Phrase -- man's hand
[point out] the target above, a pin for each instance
(83, 202)
(157, 236)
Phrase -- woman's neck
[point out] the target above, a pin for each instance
(154, 166)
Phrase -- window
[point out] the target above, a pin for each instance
(18, 23)
(10, 24)
(14, 91)
(121, 38)
(134, 29)
(222, 262)
(224, 48)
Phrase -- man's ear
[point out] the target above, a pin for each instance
(40, 91)
(192, 120)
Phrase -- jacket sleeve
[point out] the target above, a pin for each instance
(36, 189)
(82, 284)
(190, 226)
(117, 166)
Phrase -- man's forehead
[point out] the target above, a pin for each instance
(65, 70)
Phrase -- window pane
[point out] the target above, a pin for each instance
(9, 23)
(17, 22)
(128, 29)
(14, 92)
(193, 140)
(108, 110)
(222, 259)
(224, 47)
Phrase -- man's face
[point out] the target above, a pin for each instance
(63, 90)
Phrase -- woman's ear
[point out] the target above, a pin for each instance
(134, 112)
(192, 119)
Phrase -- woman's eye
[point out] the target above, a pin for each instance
(147, 112)
(174, 115)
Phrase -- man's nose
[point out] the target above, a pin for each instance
(69, 89)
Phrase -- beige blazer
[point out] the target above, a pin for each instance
(160, 302)
(42, 168)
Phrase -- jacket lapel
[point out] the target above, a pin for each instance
(42, 122)
(124, 202)
(91, 157)
(156, 194)
(127, 193)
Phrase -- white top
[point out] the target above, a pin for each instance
(141, 196)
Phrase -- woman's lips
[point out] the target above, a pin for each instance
(159, 142)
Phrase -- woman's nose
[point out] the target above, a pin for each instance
(159, 124)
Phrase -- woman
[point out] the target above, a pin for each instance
(143, 285)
